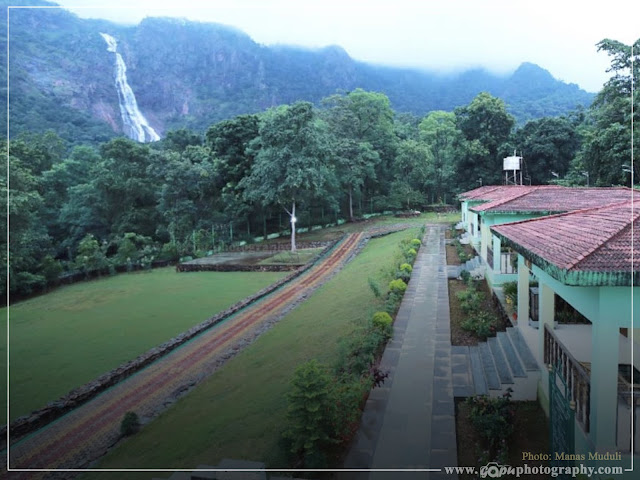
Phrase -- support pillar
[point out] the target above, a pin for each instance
(546, 311)
(497, 248)
(604, 385)
(523, 293)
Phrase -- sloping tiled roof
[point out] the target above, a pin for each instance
(584, 247)
(498, 194)
(550, 199)
(479, 193)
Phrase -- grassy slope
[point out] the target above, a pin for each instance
(239, 412)
(333, 232)
(72, 335)
(301, 256)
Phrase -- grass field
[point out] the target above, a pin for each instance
(300, 257)
(332, 233)
(240, 411)
(70, 336)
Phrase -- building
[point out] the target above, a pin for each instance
(581, 248)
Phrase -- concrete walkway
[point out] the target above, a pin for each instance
(409, 422)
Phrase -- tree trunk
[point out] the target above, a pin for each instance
(293, 226)
(264, 226)
(350, 205)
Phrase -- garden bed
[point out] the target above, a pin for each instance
(530, 435)
(460, 336)
(453, 258)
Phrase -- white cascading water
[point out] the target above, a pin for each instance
(135, 125)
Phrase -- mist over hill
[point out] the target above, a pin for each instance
(191, 74)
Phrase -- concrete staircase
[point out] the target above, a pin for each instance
(475, 267)
(491, 367)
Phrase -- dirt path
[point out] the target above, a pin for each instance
(85, 434)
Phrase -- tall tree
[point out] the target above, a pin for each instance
(28, 239)
(410, 174)
(485, 124)
(363, 132)
(234, 144)
(606, 152)
(292, 166)
(547, 145)
(438, 130)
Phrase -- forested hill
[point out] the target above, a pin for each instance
(190, 74)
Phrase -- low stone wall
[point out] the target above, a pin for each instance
(500, 308)
(37, 419)
(274, 247)
(234, 267)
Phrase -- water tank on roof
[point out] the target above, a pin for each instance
(511, 163)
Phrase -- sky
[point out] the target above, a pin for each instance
(440, 35)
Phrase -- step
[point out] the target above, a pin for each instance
(512, 357)
(490, 373)
(504, 373)
(477, 372)
(460, 371)
(522, 348)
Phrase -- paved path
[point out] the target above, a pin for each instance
(85, 433)
(409, 422)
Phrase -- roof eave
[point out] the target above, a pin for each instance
(583, 278)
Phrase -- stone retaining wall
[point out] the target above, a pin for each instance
(233, 267)
(274, 247)
(37, 419)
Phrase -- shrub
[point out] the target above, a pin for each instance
(347, 394)
(493, 420)
(130, 424)
(169, 252)
(90, 256)
(358, 351)
(50, 269)
(406, 267)
(481, 323)
(375, 288)
(397, 286)
(510, 290)
(382, 322)
(415, 243)
(403, 275)
(392, 303)
(465, 275)
(411, 253)
(470, 300)
(310, 413)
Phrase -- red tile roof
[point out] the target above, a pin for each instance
(590, 240)
(497, 193)
(553, 199)
(479, 193)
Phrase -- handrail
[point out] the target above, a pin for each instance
(577, 379)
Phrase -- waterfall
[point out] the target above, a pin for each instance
(135, 126)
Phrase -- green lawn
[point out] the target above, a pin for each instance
(239, 412)
(68, 337)
(300, 257)
(332, 232)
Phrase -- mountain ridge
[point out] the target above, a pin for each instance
(192, 74)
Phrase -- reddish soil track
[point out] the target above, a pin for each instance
(84, 434)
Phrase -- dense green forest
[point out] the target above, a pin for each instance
(190, 75)
(86, 208)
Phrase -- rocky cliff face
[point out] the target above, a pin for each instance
(190, 74)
